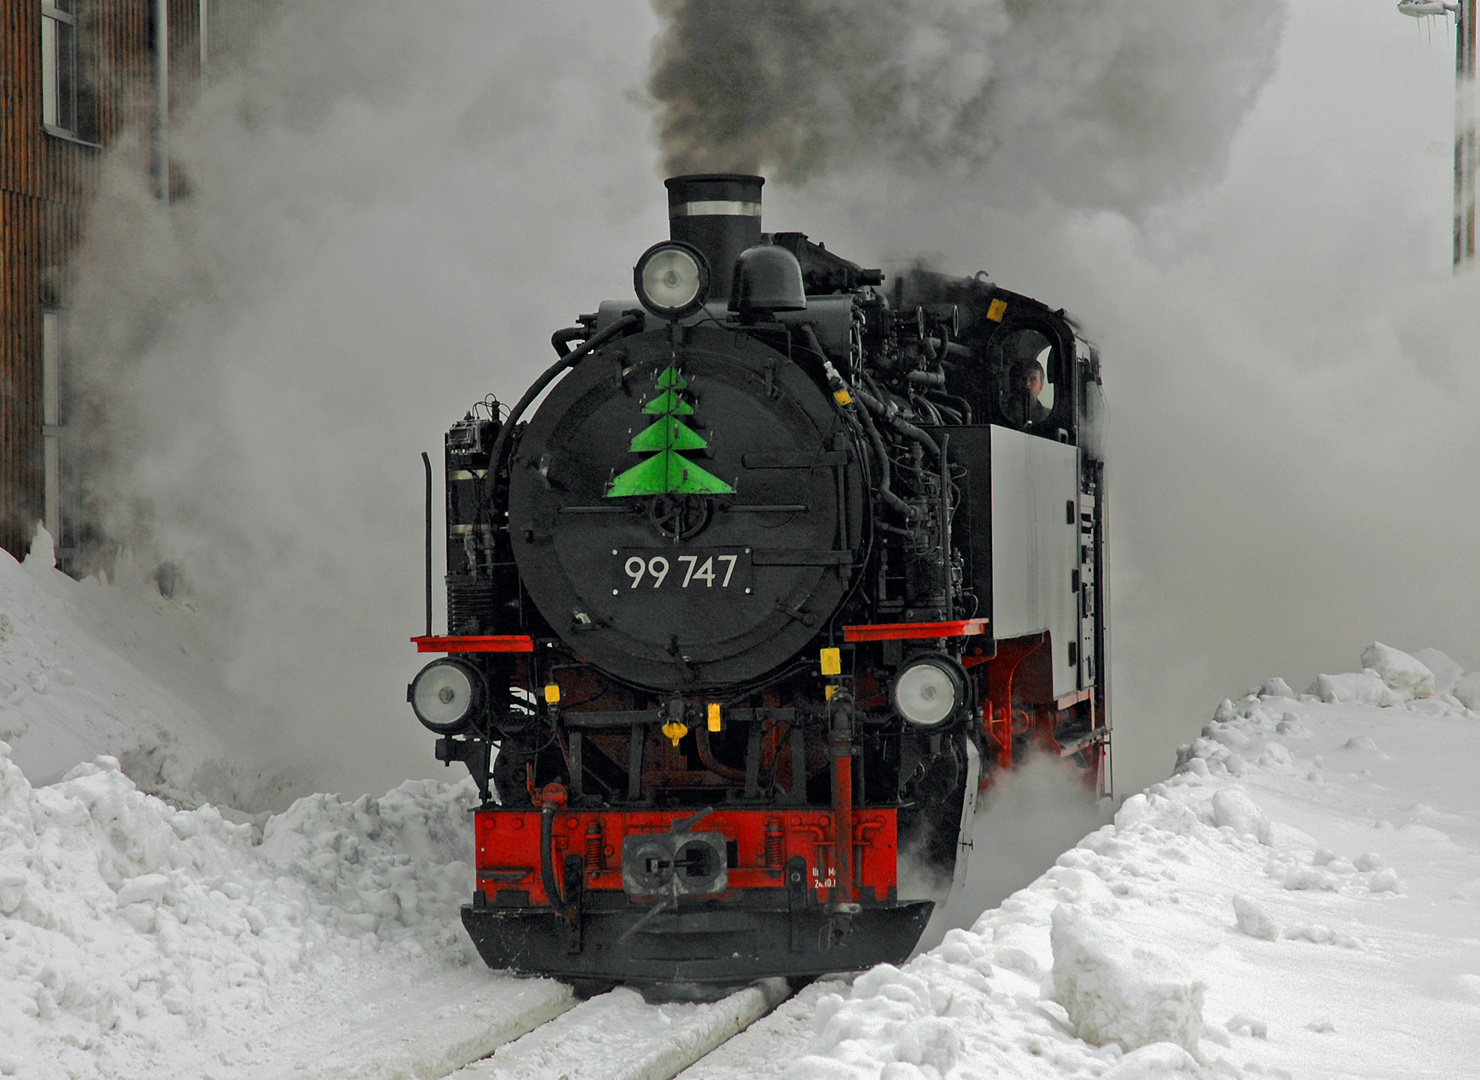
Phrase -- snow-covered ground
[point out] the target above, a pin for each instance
(87, 668)
(1301, 899)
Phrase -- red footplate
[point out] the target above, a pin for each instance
(758, 843)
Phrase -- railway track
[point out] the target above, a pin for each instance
(472, 1024)
(618, 1036)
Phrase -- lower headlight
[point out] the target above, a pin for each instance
(445, 695)
(927, 692)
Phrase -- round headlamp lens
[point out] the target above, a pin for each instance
(444, 695)
(926, 694)
(671, 280)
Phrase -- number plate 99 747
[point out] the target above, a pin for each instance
(639, 569)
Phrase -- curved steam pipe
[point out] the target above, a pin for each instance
(547, 861)
(712, 763)
(569, 360)
(904, 427)
(561, 339)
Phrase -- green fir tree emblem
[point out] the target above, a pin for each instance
(667, 472)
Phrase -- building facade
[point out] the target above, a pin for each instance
(74, 75)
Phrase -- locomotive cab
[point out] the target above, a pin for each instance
(789, 562)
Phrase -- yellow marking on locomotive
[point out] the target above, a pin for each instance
(996, 309)
(842, 397)
(828, 691)
(714, 716)
(675, 731)
(552, 694)
(832, 661)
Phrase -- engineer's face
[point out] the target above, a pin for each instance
(1033, 383)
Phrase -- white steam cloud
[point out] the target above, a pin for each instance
(1029, 817)
(394, 205)
(391, 210)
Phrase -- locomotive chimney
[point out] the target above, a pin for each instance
(718, 213)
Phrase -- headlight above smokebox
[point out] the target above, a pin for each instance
(929, 691)
(446, 695)
(672, 279)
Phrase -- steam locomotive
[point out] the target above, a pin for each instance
(790, 562)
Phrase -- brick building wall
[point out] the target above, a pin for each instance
(74, 74)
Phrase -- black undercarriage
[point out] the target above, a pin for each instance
(711, 942)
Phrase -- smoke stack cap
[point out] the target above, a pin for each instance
(767, 279)
(714, 195)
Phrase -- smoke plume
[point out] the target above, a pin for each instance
(1117, 103)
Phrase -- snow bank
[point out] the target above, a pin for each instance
(1276, 687)
(1234, 920)
(1232, 809)
(1116, 990)
(89, 669)
(1253, 919)
(134, 932)
(894, 1018)
(1389, 677)
(1447, 671)
(1405, 674)
(1467, 690)
(1364, 687)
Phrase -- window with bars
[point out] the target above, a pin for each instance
(59, 69)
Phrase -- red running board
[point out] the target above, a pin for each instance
(915, 630)
(479, 643)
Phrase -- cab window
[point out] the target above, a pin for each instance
(1025, 368)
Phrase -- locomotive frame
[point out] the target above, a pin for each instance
(790, 563)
